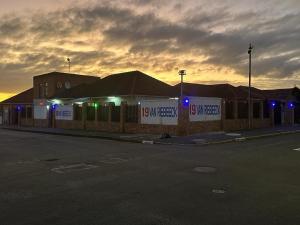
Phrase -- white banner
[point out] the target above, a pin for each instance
(205, 109)
(163, 112)
(40, 112)
(64, 112)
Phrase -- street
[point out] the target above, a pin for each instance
(59, 180)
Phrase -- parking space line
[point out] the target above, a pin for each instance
(297, 149)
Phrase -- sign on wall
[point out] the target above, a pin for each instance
(64, 112)
(205, 109)
(40, 112)
(163, 112)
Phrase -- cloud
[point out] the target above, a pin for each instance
(110, 37)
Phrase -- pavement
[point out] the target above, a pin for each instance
(55, 180)
(195, 139)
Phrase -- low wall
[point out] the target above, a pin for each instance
(241, 124)
(150, 129)
(41, 123)
(191, 127)
(103, 126)
(204, 126)
(26, 122)
(69, 124)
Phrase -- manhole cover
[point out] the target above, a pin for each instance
(205, 169)
(218, 191)
(74, 167)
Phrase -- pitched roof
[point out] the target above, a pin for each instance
(23, 97)
(129, 83)
(218, 90)
(55, 73)
(281, 94)
(255, 92)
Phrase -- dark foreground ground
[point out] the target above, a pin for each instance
(62, 180)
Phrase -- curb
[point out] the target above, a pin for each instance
(72, 135)
(242, 139)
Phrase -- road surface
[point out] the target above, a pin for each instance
(58, 180)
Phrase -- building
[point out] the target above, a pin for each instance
(134, 102)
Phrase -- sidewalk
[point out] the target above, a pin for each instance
(135, 138)
(196, 139)
(225, 137)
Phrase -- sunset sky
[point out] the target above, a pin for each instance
(208, 38)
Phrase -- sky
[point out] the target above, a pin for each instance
(208, 38)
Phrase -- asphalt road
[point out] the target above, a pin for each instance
(60, 180)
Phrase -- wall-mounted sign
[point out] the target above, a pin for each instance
(205, 109)
(40, 112)
(64, 112)
(163, 112)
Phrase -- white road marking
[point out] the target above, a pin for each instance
(297, 149)
(74, 167)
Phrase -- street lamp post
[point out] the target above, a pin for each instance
(249, 91)
(69, 62)
(181, 73)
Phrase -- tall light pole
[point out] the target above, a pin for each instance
(249, 91)
(69, 62)
(181, 73)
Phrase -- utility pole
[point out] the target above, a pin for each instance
(249, 91)
(69, 62)
(181, 73)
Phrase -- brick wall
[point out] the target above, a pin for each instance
(67, 124)
(26, 122)
(41, 123)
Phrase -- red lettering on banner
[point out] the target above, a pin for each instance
(145, 112)
(192, 109)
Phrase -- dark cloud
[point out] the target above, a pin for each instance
(41, 41)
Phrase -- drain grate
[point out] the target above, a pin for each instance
(205, 169)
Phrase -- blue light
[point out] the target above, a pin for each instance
(291, 105)
(54, 106)
(273, 104)
(186, 101)
(19, 108)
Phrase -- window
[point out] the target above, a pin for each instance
(266, 110)
(46, 90)
(256, 110)
(103, 112)
(242, 110)
(41, 91)
(132, 113)
(229, 108)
